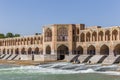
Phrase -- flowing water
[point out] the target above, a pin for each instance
(59, 71)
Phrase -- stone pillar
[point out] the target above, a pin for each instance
(110, 35)
(85, 37)
(111, 52)
(85, 50)
(98, 49)
(118, 36)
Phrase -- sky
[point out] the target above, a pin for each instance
(27, 17)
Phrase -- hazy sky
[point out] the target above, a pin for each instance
(28, 16)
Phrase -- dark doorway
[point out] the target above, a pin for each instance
(61, 52)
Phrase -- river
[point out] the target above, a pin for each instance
(59, 71)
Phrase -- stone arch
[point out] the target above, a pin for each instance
(22, 41)
(48, 50)
(38, 40)
(11, 51)
(4, 51)
(35, 40)
(17, 51)
(48, 34)
(25, 41)
(100, 36)
(36, 50)
(117, 49)
(104, 50)
(114, 34)
(94, 36)
(88, 36)
(31, 41)
(82, 37)
(18, 40)
(62, 50)
(8, 51)
(91, 50)
(29, 51)
(23, 51)
(107, 35)
(28, 41)
(79, 50)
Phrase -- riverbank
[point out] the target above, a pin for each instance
(25, 62)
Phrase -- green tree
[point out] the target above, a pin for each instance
(9, 35)
(17, 35)
(2, 35)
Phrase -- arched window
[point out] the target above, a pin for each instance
(82, 37)
(62, 34)
(48, 35)
(88, 35)
(94, 36)
(107, 35)
(100, 36)
(114, 34)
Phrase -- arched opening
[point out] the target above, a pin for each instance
(100, 36)
(11, 51)
(17, 51)
(31, 41)
(79, 50)
(107, 35)
(94, 36)
(7, 51)
(104, 50)
(23, 51)
(82, 37)
(117, 49)
(88, 37)
(3, 51)
(91, 50)
(114, 34)
(48, 35)
(62, 51)
(36, 50)
(48, 50)
(29, 51)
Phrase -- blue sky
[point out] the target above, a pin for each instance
(28, 16)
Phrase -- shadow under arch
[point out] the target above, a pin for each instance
(104, 50)
(91, 50)
(116, 50)
(62, 50)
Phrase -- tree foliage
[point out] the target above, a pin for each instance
(8, 35)
(17, 35)
(2, 35)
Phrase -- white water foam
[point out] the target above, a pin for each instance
(61, 68)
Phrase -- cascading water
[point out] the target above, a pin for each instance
(62, 68)
(59, 71)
